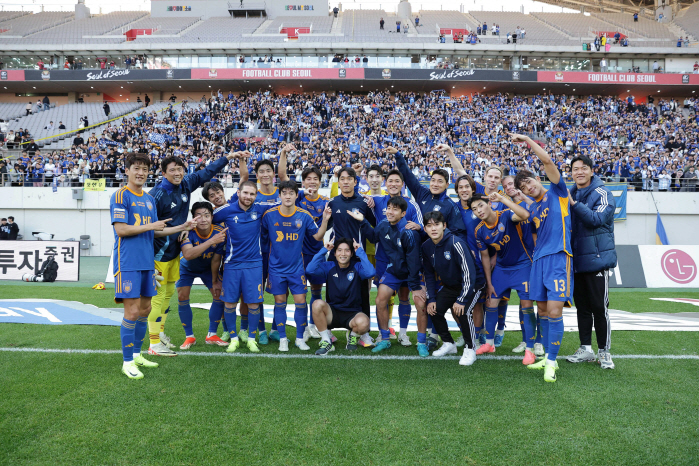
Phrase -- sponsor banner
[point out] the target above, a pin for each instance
(629, 270)
(95, 185)
(52, 312)
(670, 266)
(279, 73)
(616, 78)
(20, 257)
(449, 75)
(105, 75)
(11, 75)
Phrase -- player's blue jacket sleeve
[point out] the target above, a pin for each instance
(411, 245)
(364, 267)
(318, 267)
(430, 279)
(417, 190)
(221, 213)
(371, 234)
(197, 179)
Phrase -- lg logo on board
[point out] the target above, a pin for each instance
(678, 266)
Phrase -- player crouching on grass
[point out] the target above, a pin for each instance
(402, 274)
(343, 292)
(136, 224)
(447, 259)
(286, 228)
(198, 248)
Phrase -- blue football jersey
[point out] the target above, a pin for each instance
(412, 214)
(243, 237)
(551, 216)
(471, 222)
(262, 199)
(315, 207)
(505, 238)
(480, 189)
(201, 264)
(133, 253)
(285, 237)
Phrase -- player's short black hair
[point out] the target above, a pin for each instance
(346, 241)
(395, 172)
(434, 216)
(171, 159)
(582, 158)
(247, 183)
(202, 205)
(375, 167)
(3, 219)
(399, 202)
(288, 184)
(349, 170)
(441, 172)
(521, 176)
(260, 163)
(468, 179)
(11, 218)
(137, 158)
(308, 170)
(210, 186)
(478, 197)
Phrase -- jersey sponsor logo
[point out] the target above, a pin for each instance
(128, 286)
(350, 276)
(447, 255)
(280, 237)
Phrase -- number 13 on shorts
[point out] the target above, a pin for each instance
(560, 285)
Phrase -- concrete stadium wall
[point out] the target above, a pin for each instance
(40, 209)
(215, 8)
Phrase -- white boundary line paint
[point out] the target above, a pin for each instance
(332, 357)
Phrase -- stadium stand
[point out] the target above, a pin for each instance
(430, 21)
(688, 19)
(536, 31)
(12, 110)
(213, 30)
(320, 24)
(644, 27)
(580, 25)
(32, 23)
(162, 26)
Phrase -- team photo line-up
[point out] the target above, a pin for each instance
(465, 256)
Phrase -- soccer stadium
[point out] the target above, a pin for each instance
(349, 233)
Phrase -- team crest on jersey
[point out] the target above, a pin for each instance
(128, 286)
(437, 208)
(149, 205)
(253, 215)
(546, 198)
(299, 223)
(501, 228)
(473, 216)
(447, 255)
(350, 276)
(398, 243)
(184, 198)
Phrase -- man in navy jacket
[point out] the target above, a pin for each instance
(594, 253)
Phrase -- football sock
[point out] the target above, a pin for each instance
(326, 336)
(545, 333)
(300, 317)
(139, 334)
(230, 316)
(279, 321)
(315, 294)
(404, 310)
(186, 316)
(502, 313)
(243, 322)
(385, 334)
(169, 292)
(587, 348)
(555, 337)
(421, 337)
(528, 326)
(478, 330)
(521, 323)
(127, 338)
(154, 317)
(261, 322)
(538, 329)
(163, 319)
(215, 315)
(491, 320)
(254, 319)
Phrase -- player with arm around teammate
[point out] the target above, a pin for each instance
(447, 260)
(550, 280)
(198, 248)
(343, 278)
(402, 274)
(136, 224)
(285, 227)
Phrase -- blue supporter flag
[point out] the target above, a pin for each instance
(660, 235)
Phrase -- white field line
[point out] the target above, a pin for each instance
(333, 356)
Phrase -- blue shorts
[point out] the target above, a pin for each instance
(506, 280)
(396, 283)
(380, 271)
(247, 282)
(307, 258)
(134, 285)
(550, 279)
(187, 278)
(277, 284)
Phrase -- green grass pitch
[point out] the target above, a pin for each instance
(78, 409)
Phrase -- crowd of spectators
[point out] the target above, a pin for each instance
(648, 145)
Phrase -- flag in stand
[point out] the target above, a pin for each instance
(660, 235)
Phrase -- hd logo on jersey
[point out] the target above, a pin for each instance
(350, 276)
(447, 255)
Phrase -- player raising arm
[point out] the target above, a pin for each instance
(550, 280)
